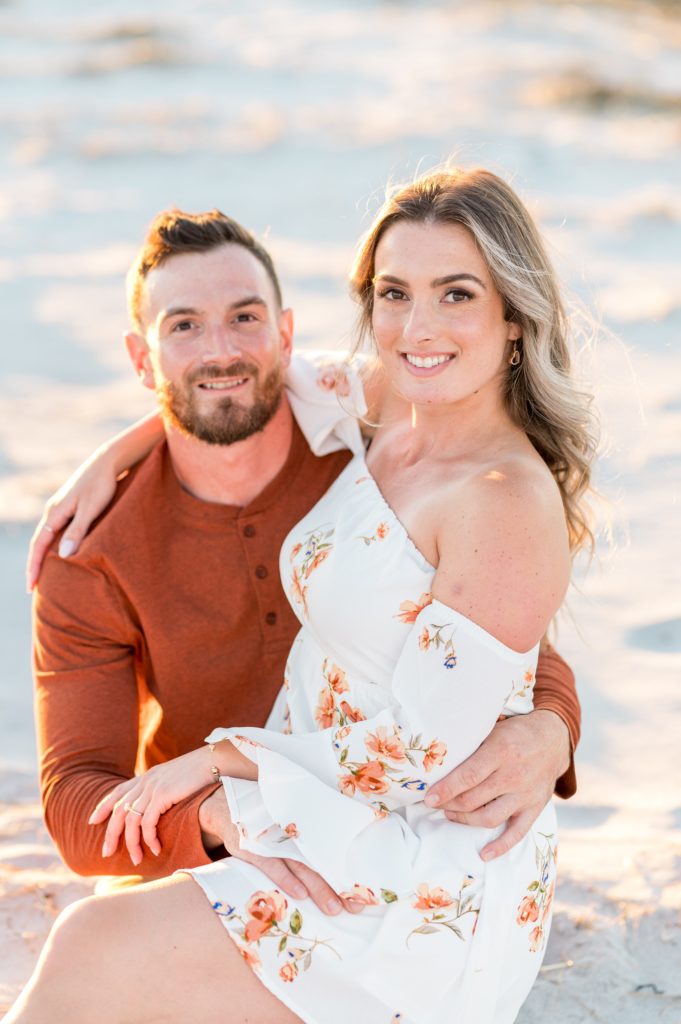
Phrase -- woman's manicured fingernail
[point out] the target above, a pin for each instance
(66, 547)
(106, 849)
(334, 906)
(432, 800)
(136, 859)
(487, 855)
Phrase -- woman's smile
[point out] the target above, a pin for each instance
(427, 364)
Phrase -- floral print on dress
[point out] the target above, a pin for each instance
(306, 556)
(278, 834)
(410, 610)
(264, 918)
(380, 533)
(436, 900)
(367, 897)
(523, 688)
(388, 753)
(535, 907)
(329, 711)
(438, 640)
(287, 727)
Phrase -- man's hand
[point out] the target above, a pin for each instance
(509, 778)
(294, 878)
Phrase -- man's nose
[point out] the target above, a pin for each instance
(219, 344)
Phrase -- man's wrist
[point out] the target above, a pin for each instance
(558, 736)
(212, 819)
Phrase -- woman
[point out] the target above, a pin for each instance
(424, 580)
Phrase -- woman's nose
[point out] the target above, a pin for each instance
(420, 326)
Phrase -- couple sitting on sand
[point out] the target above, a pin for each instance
(387, 811)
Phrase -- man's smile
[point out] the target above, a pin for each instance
(223, 385)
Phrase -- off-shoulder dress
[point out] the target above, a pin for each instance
(386, 690)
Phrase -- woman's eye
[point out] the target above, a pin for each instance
(391, 294)
(457, 295)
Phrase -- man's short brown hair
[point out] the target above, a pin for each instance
(173, 232)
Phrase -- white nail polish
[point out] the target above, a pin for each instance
(66, 547)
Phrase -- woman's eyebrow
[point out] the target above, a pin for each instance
(437, 283)
(450, 278)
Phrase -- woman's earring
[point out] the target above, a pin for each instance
(516, 356)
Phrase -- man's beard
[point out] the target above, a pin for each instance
(228, 421)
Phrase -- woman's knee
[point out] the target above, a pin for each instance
(77, 928)
(91, 925)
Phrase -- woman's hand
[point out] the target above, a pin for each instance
(80, 500)
(88, 491)
(135, 806)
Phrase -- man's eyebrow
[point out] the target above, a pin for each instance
(178, 311)
(437, 283)
(249, 300)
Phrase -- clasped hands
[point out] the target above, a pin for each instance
(509, 779)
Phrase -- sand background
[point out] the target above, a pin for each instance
(292, 117)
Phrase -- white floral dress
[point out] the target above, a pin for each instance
(386, 691)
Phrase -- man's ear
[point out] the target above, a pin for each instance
(138, 350)
(286, 335)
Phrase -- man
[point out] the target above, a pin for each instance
(170, 618)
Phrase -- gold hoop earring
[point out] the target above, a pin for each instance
(516, 357)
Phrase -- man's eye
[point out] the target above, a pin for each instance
(245, 318)
(183, 325)
(457, 295)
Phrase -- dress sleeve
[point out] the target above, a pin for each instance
(331, 794)
(326, 395)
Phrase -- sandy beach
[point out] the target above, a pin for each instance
(292, 118)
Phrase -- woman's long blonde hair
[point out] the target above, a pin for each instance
(541, 394)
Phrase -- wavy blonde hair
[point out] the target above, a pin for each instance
(541, 394)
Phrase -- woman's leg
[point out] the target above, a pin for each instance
(153, 955)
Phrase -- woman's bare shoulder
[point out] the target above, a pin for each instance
(504, 558)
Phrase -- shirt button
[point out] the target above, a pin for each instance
(261, 571)
(271, 618)
(249, 530)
